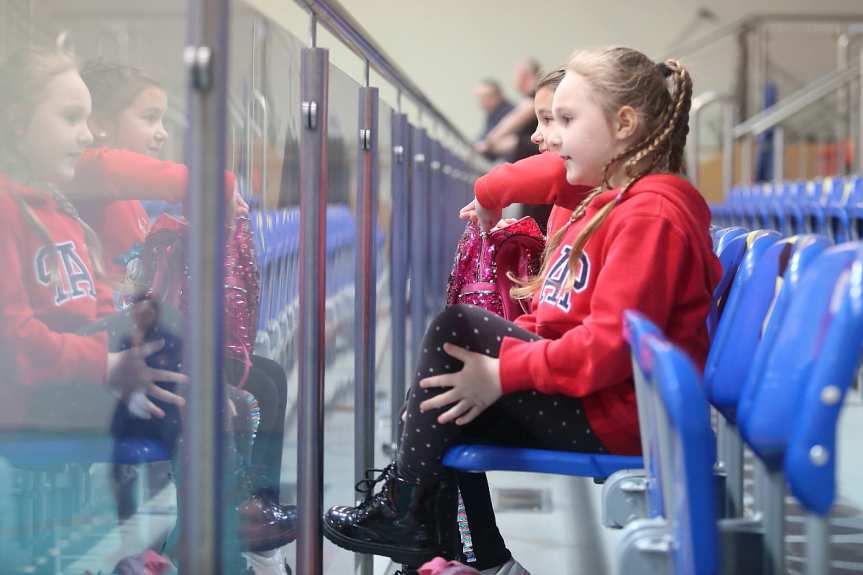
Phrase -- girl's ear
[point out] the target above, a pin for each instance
(626, 123)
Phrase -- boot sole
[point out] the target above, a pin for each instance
(397, 554)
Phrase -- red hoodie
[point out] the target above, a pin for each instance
(653, 253)
(39, 319)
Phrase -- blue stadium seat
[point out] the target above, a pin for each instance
(477, 458)
(838, 217)
(754, 198)
(810, 461)
(819, 195)
(804, 252)
(688, 451)
(774, 215)
(777, 380)
(800, 350)
(739, 197)
(748, 300)
(730, 249)
(791, 201)
(763, 217)
(637, 329)
(692, 510)
(721, 236)
(855, 211)
(52, 450)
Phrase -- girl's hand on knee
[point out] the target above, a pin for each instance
(473, 389)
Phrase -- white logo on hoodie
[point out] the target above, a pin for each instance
(553, 288)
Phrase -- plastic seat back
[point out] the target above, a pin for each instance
(739, 328)
(838, 222)
(730, 249)
(691, 454)
(636, 329)
(810, 462)
(790, 356)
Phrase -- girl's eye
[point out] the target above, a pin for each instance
(73, 118)
(150, 118)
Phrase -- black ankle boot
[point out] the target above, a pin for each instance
(409, 522)
(262, 523)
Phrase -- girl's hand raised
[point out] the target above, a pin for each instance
(472, 389)
(485, 218)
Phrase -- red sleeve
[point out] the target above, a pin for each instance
(539, 179)
(640, 271)
(30, 352)
(111, 174)
(526, 322)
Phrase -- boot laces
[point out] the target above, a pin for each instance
(367, 486)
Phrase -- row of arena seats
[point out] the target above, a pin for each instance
(831, 206)
(277, 242)
(784, 352)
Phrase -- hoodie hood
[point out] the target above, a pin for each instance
(31, 195)
(675, 190)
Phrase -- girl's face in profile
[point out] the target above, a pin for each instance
(140, 128)
(544, 118)
(57, 132)
(581, 133)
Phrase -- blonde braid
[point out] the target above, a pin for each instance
(526, 288)
(94, 246)
(42, 232)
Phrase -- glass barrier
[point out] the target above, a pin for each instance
(342, 221)
(92, 331)
(97, 288)
(383, 249)
(264, 101)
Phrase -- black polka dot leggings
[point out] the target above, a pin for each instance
(521, 419)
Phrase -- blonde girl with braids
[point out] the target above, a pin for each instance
(626, 232)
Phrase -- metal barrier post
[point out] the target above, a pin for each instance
(202, 489)
(746, 173)
(419, 276)
(435, 228)
(778, 155)
(399, 267)
(365, 306)
(729, 119)
(313, 239)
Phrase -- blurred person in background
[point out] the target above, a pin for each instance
(495, 106)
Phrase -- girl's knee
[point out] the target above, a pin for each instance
(454, 314)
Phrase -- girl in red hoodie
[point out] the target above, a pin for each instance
(559, 377)
(54, 284)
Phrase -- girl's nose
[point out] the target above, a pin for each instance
(85, 137)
